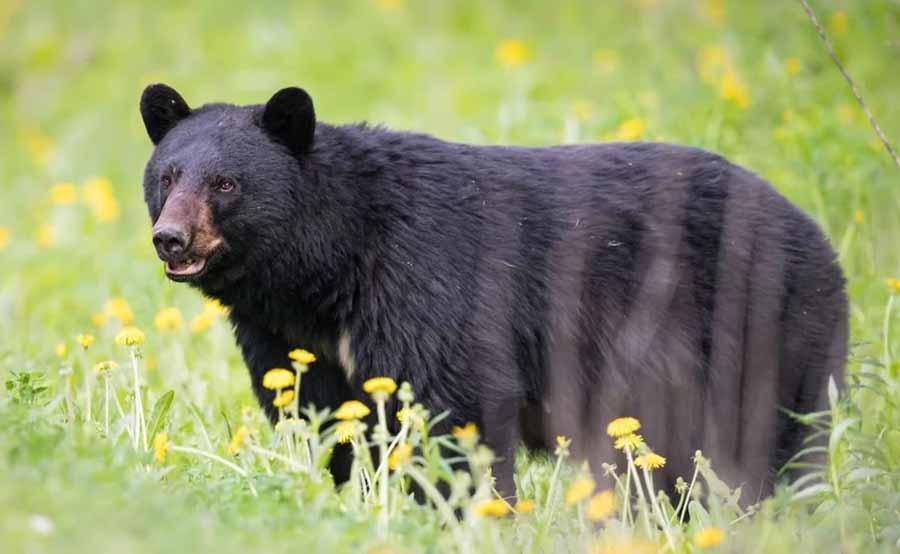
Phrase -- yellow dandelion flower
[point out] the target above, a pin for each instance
(734, 90)
(85, 340)
(606, 59)
(130, 336)
(524, 507)
(168, 320)
(792, 66)
(99, 197)
(578, 490)
(894, 285)
(160, 447)
(105, 366)
(98, 319)
(404, 413)
(631, 129)
(237, 441)
(400, 455)
(492, 508)
(562, 441)
(838, 23)
(650, 461)
(630, 441)
(63, 194)
(380, 384)
(118, 308)
(469, 431)
(859, 217)
(512, 53)
(345, 430)
(5, 237)
(61, 350)
(278, 378)
(601, 506)
(352, 409)
(46, 235)
(215, 308)
(302, 356)
(622, 426)
(202, 322)
(285, 398)
(709, 537)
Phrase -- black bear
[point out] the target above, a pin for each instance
(533, 291)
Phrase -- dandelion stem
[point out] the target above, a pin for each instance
(397, 440)
(628, 515)
(382, 465)
(654, 501)
(626, 507)
(637, 485)
(687, 495)
(140, 438)
(358, 473)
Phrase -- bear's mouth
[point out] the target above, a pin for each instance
(185, 270)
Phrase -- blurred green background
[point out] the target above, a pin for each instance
(747, 79)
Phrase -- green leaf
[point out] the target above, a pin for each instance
(811, 491)
(158, 415)
(838, 432)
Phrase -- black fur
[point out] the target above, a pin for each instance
(534, 291)
(162, 108)
(289, 117)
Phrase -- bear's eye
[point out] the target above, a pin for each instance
(165, 182)
(224, 185)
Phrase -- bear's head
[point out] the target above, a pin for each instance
(224, 182)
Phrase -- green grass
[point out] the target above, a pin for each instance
(710, 74)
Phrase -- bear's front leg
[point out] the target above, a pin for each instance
(501, 420)
(323, 386)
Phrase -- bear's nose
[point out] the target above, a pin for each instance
(171, 242)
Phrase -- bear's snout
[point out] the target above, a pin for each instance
(171, 241)
(185, 237)
(173, 232)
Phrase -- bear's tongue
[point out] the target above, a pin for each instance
(187, 267)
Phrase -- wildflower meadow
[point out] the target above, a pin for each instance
(127, 418)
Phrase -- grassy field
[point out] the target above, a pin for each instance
(747, 79)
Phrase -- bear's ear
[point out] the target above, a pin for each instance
(289, 118)
(162, 108)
